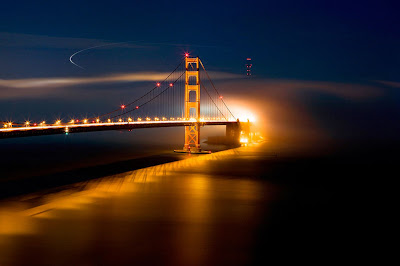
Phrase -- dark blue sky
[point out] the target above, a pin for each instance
(334, 40)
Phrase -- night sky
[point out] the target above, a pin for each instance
(323, 71)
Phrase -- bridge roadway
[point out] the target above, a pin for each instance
(29, 131)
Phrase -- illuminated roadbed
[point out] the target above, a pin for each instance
(23, 131)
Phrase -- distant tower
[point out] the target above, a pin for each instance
(248, 67)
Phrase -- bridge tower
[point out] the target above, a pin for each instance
(192, 104)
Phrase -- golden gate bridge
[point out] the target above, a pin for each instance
(173, 102)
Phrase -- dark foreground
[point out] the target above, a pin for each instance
(243, 206)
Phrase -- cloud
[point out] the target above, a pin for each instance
(8, 39)
(300, 112)
(389, 83)
(294, 88)
(20, 40)
(38, 87)
(29, 40)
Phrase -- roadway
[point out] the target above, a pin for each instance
(29, 131)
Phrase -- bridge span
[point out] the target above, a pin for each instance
(15, 132)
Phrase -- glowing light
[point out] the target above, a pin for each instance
(148, 119)
(85, 121)
(139, 119)
(72, 121)
(120, 120)
(58, 122)
(164, 118)
(77, 121)
(244, 115)
(109, 120)
(186, 54)
(244, 140)
(27, 123)
(220, 97)
(129, 119)
(5, 125)
(156, 119)
(171, 84)
(35, 124)
(158, 84)
(122, 106)
(98, 120)
(137, 107)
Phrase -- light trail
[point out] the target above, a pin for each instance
(116, 43)
(93, 47)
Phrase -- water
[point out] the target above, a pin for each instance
(246, 206)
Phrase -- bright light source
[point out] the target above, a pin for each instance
(97, 120)
(243, 114)
(186, 54)
(244, 140)
(137, 107)
(72, 121)
(158, 84)
(139, 119)
(27, 123)
(122, 106)
(171, 84)
(220, 96)
(85, 121)
(109, 120)
(120, 120)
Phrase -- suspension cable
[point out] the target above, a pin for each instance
(212, 83)
(144, 95)
(201, 83)
(154, 97)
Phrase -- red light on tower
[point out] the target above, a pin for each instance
(248, 67)
(171, 84)
(122, 106)
(158, 84)
(137, 107)
(186, 54)
(220, 96)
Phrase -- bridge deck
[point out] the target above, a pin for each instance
(16, 132)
